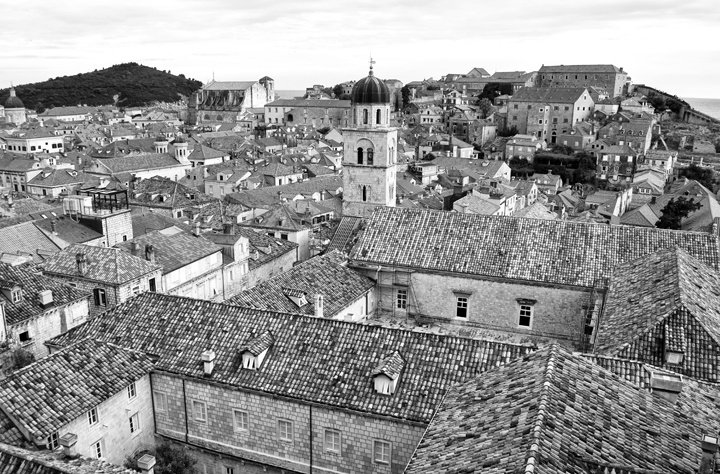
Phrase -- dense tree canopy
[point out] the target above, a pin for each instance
(700, 174)
(675, 211)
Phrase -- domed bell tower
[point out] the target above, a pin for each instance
(370, 149)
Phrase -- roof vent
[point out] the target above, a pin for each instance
(387, 375)
(253, 353)
(666, 385)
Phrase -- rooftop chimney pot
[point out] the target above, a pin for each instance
(68, 441)
(81, 260)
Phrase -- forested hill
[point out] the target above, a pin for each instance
(131, 84)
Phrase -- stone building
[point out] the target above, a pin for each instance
(35, 141)
(218, 101)
(263, 391)
(34, 308)
(370, 149)
(521, 279)
(318, 113)
(109, 274)
(93, 397)
(548, 112)
(605, 76)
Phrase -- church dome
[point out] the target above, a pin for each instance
(370, 90)
(13, 102)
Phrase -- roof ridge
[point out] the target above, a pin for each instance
(533, 454)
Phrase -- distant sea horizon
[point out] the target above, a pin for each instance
(706, 106)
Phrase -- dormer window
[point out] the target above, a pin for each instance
(254, 352)
(16, 295)
(295, 295)
(387, 375)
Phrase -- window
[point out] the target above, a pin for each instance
(365, 116)
(16, 295)
(160, 399)
(52, 441)
(152, 285)
(132, 391)
(402, 299)
(92, 417)
(377, 117)
(515, 106)
(514, 117)
(381, 451)
(360, 156)
(565, 120)
(229, 470)
(100, 298)
(567, 107)
(199, 411)
(364, 193)
(134, 423)
(370, 156)
(136, 290)
(240, 420)
(283, 236)
(556, 108)
(526, 313)
(96, 449)
(461, 306)
(25, 336)
(540, 122)
(285, 431)
(332, 441)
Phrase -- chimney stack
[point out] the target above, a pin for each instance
(208, 358)
(81, 260)
(146, 463)
(68, 441)
(709, 446)
(319, 303)
(196, 230)
(150, 253)
(666, 385)
(228, 228)
(134, 248)
(53, 227)
(46, 298)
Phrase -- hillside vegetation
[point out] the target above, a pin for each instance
(127, 85)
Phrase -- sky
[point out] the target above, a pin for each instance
(669, 44)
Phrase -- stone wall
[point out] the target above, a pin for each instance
(274, 267)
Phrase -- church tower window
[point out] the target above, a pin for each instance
(370, 154)
(360, 156)
(377, 118)
(364, 193)
(365, 116)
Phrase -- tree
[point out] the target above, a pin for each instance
(485, 106)
(22, 358)
(700, 174)
(674, 212)
(508, 132)
(171, 459)
(561, 149)
(405, 92)
(520, 167)
(337, 90)
(494, 89)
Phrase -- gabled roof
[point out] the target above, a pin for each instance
(26, 239)
(316, 360)
(520, 249)
(108, 265)
(642, 216)
(554, 412)
(228, 85)
(202, 152)
(50, 393)
(323, 103)
(549, 95)
(166, 193)
(267, 248)
(269, 196)
(700, 220)
(67, 229)
(31, 285)
(667, 298)
(149, 161)
(59, 177)
(324, 275)
(17, 460)
(173, 251)
(536, 211)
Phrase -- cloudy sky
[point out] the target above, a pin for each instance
(670, 44)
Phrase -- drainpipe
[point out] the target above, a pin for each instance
(187, 438)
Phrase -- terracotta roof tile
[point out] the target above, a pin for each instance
(173, 251)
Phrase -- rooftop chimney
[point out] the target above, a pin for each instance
(135, 248)
(709, 446)
(146, 463)
(150, 253)
(319, 303)
(46, 298)
(53, 227)
(81, 260)
(665, 385)
(68, 442)
(196, 230)
(208, 358)
(228, 228)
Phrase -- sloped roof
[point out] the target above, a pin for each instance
(522, 249)
(313, 359)
(228, 85)
(589, 68)
(149, 161)
(109, 265)
(549, 95)
(67, 229)
(323, 103)
(477, 205)
(166, 193)
(536, 211)
(324, 275)
(203, 152)
(700, 220)
(269, 196)
(63, 386)
(667, 299)
(554, 412)
(173, 251)
(59, 177)
(26, 239)
(16, 460)
(642, 216)
(31, 285)
(268, 248)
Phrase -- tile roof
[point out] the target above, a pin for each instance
(536, 211)
(203, 152)
(313, 359)
(149, 161)
(589, 68)
(63, 386)
(523, 249)
(173, 251)
(700, 220)
(642, 216)
(59, 177)
(228, 85)
(166, 193)
(68, 229)
(269, 196)
(32, 284)
(26, 239)
(322, 103)
(555, 413)
(108, 265)
(326, 275)
(549, 95)
(664, 301)
(268, 248)
(16, 460)
(144, 221)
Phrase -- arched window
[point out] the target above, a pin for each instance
(219, 118)
(392, 156)
(290, 118)
(365, 116)
(207, 117)
(370, 156)
(360, 156)
(364, 193)
(377, 117)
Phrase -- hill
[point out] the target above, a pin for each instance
(127, 85)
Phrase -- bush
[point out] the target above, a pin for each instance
(22, 358)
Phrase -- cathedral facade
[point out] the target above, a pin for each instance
(219, 102)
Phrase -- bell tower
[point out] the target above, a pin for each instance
(369, 149)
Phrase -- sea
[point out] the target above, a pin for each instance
(706, 106)
(288, 94)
